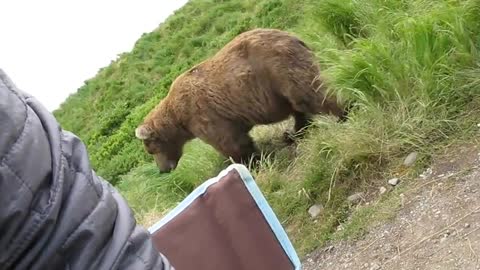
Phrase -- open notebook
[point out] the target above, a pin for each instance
(225, 223)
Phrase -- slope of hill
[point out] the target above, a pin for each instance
(410, 66)
(106, 110)
(436, 227)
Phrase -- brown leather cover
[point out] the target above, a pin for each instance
(222, 229)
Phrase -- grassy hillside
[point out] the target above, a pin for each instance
(411, 67)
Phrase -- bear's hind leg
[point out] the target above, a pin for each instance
(302, 121)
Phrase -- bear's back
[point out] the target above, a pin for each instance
(245, 79)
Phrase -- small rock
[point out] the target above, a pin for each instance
(393, 181)
(410, 159)
(382, 190)
(467, 225)
(315, 210)
(426, 173)
(375, 266)
(478, 125)
(355, 198)
(402, 199)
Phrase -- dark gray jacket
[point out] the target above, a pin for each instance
(55, 212)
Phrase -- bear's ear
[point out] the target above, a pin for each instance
(143, 132)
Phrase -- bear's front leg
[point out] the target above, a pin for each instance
(237, 145)
(241, 149)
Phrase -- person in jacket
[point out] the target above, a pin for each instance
(55, 212)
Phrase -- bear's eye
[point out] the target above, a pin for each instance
(153, 146)
(148, 142)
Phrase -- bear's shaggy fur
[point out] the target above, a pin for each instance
(262, 76)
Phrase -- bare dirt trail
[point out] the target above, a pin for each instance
(438, 226)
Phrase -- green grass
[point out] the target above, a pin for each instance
(410, 67)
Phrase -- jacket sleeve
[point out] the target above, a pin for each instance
(55, 212)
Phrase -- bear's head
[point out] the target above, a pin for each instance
(166, 152)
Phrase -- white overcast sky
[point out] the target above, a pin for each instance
(50, 47)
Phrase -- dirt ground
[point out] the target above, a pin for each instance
(438, 226)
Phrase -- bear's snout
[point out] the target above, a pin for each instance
(167, 167)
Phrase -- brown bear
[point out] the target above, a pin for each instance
(262, 76)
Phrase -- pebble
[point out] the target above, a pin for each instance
(426, 173)
(382, 190)
(315, 210)
(467, 225)
(410, 159)
(355, 198)
(393, 181)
